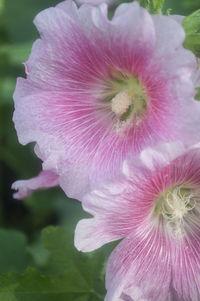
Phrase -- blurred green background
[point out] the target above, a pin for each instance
(37, 258)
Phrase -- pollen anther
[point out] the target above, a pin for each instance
(174, 206)
(121, 102)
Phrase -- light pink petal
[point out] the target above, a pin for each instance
(38, 51)
(52, 19)
(177, 18)
(174, 58)
(74, 178)
(45, 179)
(161, 154)
(94, 2)
(138, 18)
(91, 234)
(140, 267)
(152, 159)
(171, 30)
(168, 27)
(69, 7)
(111, 221)
(185, 262)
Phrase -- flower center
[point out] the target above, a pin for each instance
(174, 206)
(121, 103)
(126, 98)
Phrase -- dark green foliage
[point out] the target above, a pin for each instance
(153, 6)
(13, 253)
(70, 275)
(191, 26)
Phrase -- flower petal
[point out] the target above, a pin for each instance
(111, 219)
(171, 30)
(161, 154)
(186, 264)
(45, 179)
(138, 264)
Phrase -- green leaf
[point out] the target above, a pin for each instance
(197, 96)
(191, 25)
(13, 255)
(1, 6)
(153, 6)
(7, 289)
(57, 241)
(77, 275)
(17, 52)
(7, 85)
(190, 5)
(65, 257)
(18, 17)
(33, 286)
(40, 255)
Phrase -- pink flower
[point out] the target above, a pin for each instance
(98, 91)
(156, 210)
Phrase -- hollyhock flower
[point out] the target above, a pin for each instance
(98, 91)
(156, 210)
